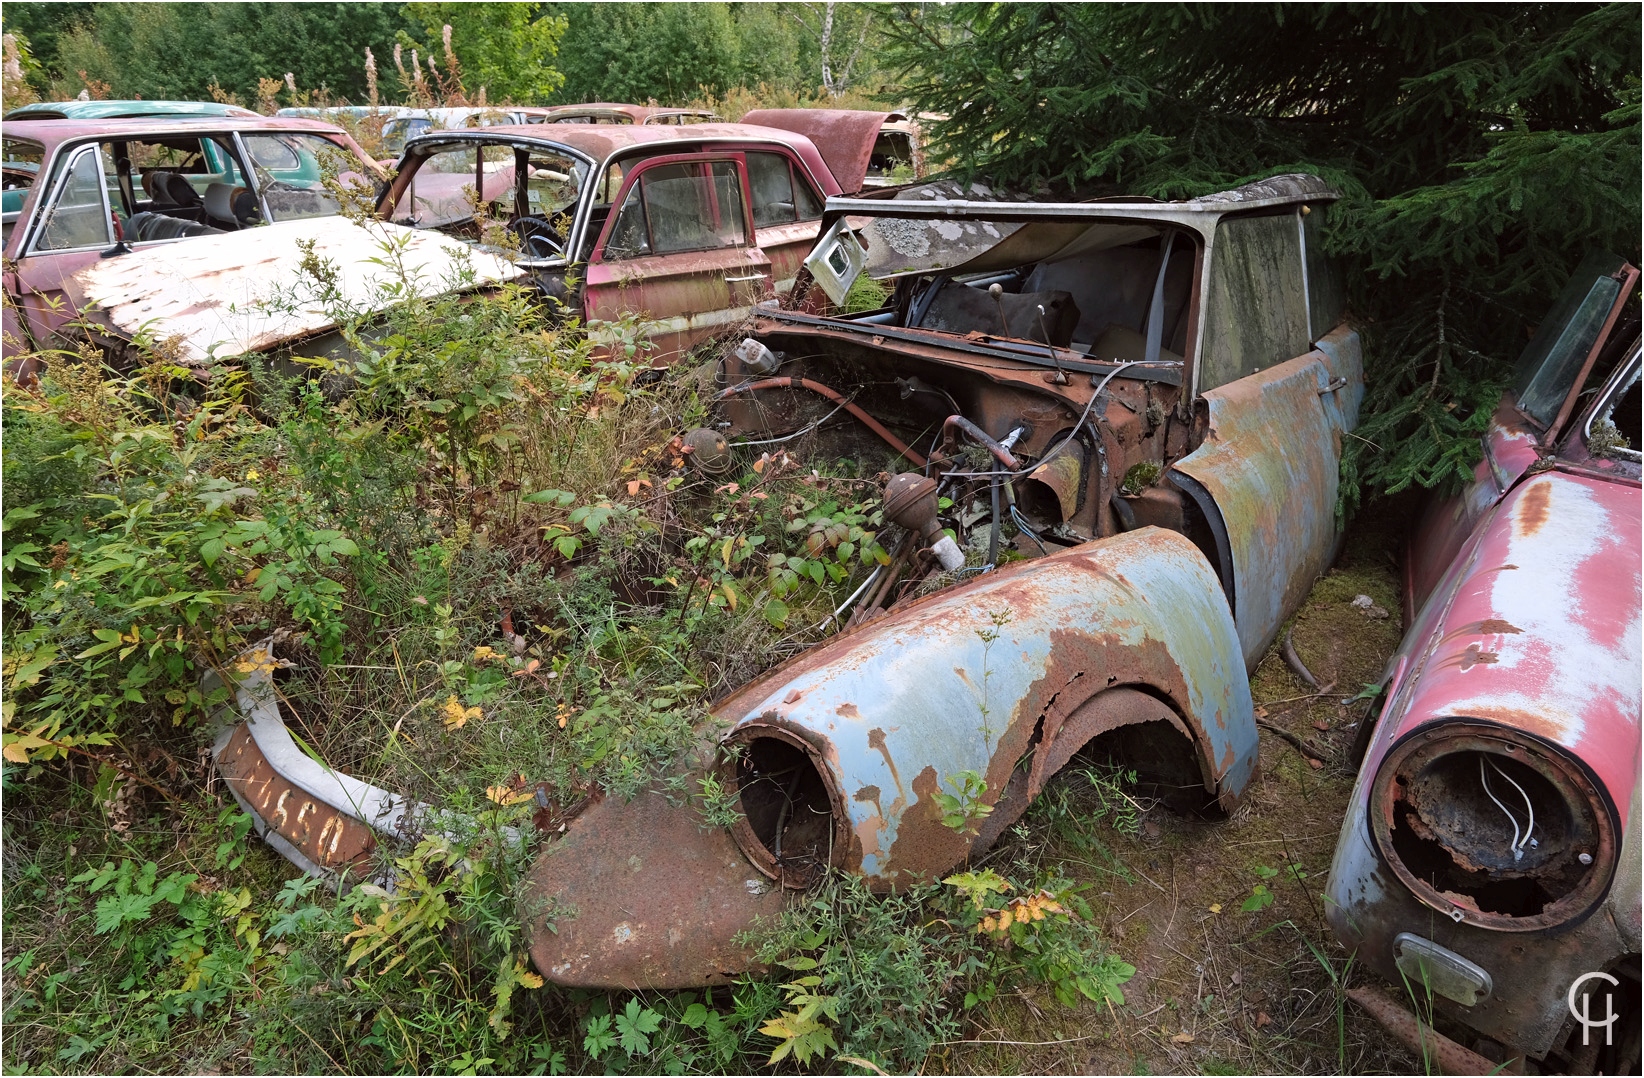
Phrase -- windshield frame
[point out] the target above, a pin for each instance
(1596, 267)
(424, 146)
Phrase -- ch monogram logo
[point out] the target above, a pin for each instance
(1584, 1015)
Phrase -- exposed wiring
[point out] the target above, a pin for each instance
(1518, 854)
(993, 530)
(1016, 515)
(1059, 446)
(1531, 826)
(852, 597)
(797, 433)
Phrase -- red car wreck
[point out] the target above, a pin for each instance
(684, 226)
(1490, 857)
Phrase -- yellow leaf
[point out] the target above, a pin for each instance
(1182, 1038)
(252, 474)
(502, 795)
(730, 595)
(526, 977)
(1215, 907)
(457, 716)
(252, 574)
(759, 465)
(15, 753)
(482, 654)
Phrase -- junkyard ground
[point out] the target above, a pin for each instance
(1236, 971)
(1231, 979)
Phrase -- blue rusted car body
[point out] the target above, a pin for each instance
(1154, 397)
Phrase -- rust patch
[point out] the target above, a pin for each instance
(1496, 625)
(876, 740)
(924, 848)
(849, 711)
(1532, 511)
(330, 839)
(869, 793)
(1474, 656)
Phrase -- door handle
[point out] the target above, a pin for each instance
(750, 277)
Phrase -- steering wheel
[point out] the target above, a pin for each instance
(537, 236)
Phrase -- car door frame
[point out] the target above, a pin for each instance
(668, 280)
(1265, 473)
(786, 244)
(44, 273)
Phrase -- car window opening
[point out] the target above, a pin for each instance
(1089, 287)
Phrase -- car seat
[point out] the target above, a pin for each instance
(230, 206)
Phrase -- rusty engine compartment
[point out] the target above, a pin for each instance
(1042, 440)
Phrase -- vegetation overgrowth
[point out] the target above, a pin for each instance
(482, 566)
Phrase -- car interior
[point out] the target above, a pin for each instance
(176, 187)
(1088, 285)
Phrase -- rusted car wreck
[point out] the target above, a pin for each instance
(195, 230)
(1147, 400)
(1490, 856)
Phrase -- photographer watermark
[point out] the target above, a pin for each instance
(1584, 1015)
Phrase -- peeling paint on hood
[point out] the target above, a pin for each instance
(246, 292)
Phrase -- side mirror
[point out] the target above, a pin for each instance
(837, 260)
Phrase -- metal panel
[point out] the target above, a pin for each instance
(1535, 626)
(221, 294)
(902, 704)
(1270, 460)
(328, 839)
(641, 894)
(844, 137)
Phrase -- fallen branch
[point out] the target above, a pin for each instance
(1292, 660)
(1306, 748)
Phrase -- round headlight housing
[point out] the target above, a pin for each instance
(1493, 826)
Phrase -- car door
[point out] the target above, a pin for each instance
(70, 230)
(1279, 389)
(677, 253)
(787, 212)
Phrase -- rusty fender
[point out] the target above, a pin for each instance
(1268, 467)
(1130, 629)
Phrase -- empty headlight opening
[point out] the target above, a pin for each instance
(790, 812)
(1493, 827)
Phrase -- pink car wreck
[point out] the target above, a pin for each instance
(684, 226)
(187, 228)
(1490, 857)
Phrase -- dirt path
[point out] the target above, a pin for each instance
(1236, 971)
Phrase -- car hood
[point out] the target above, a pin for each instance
(222, 296)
